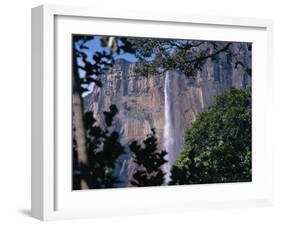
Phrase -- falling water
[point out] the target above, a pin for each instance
(173, 142)
(168, 130)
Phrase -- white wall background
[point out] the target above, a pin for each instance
(15, 112)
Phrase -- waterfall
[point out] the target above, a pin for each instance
(172, 125)
(168, 130)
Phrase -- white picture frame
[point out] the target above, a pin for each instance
(52, 197)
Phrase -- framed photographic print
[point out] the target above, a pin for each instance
(135, 112)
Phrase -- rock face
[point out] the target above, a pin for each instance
(141, 100)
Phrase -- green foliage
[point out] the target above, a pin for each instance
(157, 56)
(218, 146)
(149, 161)
(103, 149)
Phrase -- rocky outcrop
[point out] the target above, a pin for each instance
(141, 100)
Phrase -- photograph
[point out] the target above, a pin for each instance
(153, 111)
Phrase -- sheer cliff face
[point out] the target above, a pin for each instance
(141, 100)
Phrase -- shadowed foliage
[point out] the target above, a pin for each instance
(99, 62)
(216, 149)
(103, 148)
(149, 162)
(187, 56)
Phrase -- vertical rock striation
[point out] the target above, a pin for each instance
(141, 101)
